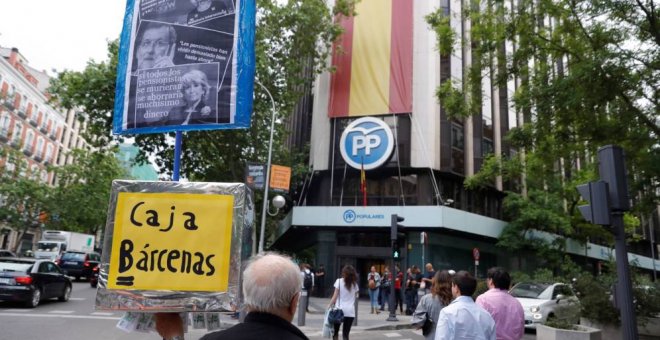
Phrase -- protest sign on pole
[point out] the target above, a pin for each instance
(185, 65)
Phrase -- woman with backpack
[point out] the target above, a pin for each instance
(373, 280)
(346, 291)
(429, 306)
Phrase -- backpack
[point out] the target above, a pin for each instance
(307, 282)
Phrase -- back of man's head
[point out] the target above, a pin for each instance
(500, 277)
(465, 283)
(270, 281)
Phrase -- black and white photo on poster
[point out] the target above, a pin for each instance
(178, 95)
(162, 54)
(217, 15)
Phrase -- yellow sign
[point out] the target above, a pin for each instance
(171, 241)
(280, 177)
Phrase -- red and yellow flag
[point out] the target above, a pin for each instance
(373, 60)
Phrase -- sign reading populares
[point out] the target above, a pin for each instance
(161, 241)
(366, 143)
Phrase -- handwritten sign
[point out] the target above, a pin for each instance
(171, 241)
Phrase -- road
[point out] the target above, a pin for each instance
(77, 320)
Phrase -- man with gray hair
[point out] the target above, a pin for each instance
(271, 289)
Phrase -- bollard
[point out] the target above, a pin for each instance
(302, 306)
(355, 320)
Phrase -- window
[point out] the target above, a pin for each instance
(4, 124)
(24, 103)
(40, 146)
(28, 139)
(44, 176)
(18, 131)
(49, 152)
(44, 121)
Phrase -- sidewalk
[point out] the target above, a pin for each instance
(366, 321)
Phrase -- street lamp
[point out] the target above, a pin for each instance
(278, 203)
(267, 179)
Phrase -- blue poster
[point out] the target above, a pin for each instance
(185, 65)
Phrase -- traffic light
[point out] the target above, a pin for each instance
(396, 227)
(598, 209)
(396, 252)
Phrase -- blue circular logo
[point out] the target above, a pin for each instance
(366, 142)
(349, 216)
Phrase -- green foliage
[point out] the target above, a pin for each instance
(80, 199)
(440, 24)
(24, 195)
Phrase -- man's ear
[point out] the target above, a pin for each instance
(294, 303)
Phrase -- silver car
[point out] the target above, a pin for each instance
(545, 301)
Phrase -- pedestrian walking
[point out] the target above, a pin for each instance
(507, 312)
(463, 318)
(346, 291)
(429, 306)
(398, 297)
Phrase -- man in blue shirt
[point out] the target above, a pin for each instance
(464, 319)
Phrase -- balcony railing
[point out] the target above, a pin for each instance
(27, 152)
(48, 161)
(53, 136)
(4, 135)
(43, 129)
(9, 104)
(21, 113)
(32, 122)
(38, 158)
(15, 144)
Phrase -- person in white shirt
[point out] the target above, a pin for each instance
(463, 318)
(346, 291)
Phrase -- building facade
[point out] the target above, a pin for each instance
(42, 133)
(390, 69)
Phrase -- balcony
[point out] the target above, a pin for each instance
(21, 113)
(52, 136)
(4, 135)
(15, 144)
(32, 122)
(9, 104)
(38, 158)
(27, 152)
(43, 129)
(48, 161)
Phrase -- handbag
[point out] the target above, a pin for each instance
(336, 315)
(427, 327)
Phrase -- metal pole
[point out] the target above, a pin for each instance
(267, 180)
(624, 291)
(177, 156)
(652, 239)
(302, 306)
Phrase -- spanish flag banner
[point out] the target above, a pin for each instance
(373, 60)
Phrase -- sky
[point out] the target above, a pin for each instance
(62, 34)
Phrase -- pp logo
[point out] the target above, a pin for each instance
(349, 216)
(366, 142)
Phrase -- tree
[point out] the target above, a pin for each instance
(80, 200)
(593, 80)
(22, 198)
(292, 44)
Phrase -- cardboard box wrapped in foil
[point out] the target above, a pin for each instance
(175, 246)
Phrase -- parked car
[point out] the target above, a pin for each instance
(7, 253)
(79, 264)
(544, 301)
(31, 281)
